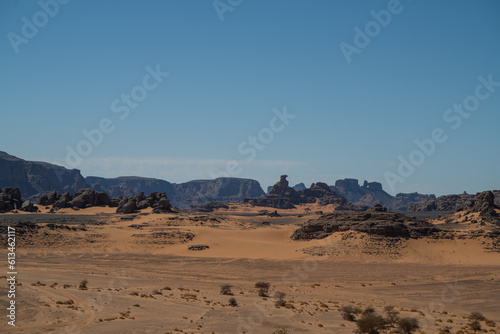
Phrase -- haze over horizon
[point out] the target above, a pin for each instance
(169, 90)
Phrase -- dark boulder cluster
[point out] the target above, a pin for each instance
(81, 199)
(207, 207)
(158, 201)
(282, 196)
(10, 199)
(375, 221)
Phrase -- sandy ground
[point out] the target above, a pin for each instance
(142, 278)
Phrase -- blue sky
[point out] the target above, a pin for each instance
(352, 119)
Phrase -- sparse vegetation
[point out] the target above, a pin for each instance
(475, 325)
(83, 285)
(233, 302)
(408, 325)
(371, 323)
(368, 310)
(226, 289)
(445, 330)
(280, 296)
(263, 288)
(349, 312)
(392, 315)
(281, 331)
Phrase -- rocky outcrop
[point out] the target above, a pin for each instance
(11, 199)
(371, 193)
(208, 207)
(32, 177)
(85, 198)
(181, 195)
(127, 186)
(375, 221)
(223, 189)
(452, 202)
(158, 201)
(282, 196)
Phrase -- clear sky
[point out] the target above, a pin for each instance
(361, 91)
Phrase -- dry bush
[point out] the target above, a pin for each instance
(368, 310)
(226, 289)
(392, 315)
(281, 331)
(371, 323)
(233, 302)
(280, 298)
(263, 288)
(408, 325)
(445, 330)
(349, 312)
(83, 285)
(475, 325)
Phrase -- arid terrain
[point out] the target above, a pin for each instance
(141, 276)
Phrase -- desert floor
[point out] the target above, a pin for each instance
(143, 279)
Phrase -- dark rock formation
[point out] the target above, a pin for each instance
(127, 186)
(299, 186)
(157, 201)
(218, 190)
(184, 194)
(452, 202)
(371, 193)
(32, 177)
(207, 207)
(11, 199)
(282, 196)
(375, 221)
(84, 198)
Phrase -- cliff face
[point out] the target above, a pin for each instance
(181, 195)
(32, 177)
(127, 186)
(222, 189)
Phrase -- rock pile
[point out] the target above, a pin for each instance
(375, 221)
(10, 199)
(82, 199)
(157, 201)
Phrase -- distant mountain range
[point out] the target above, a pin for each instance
(35, 178)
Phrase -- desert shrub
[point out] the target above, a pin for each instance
(445, 330)
(263, 288)
(226, 290)
(280, 296)
(371, 323)
(281, 331)
(349, 312)
(83, 285)
(476, 316)
(475, 325)
(368, 310)
(408, 325)
(392, 315)
(233, 302)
